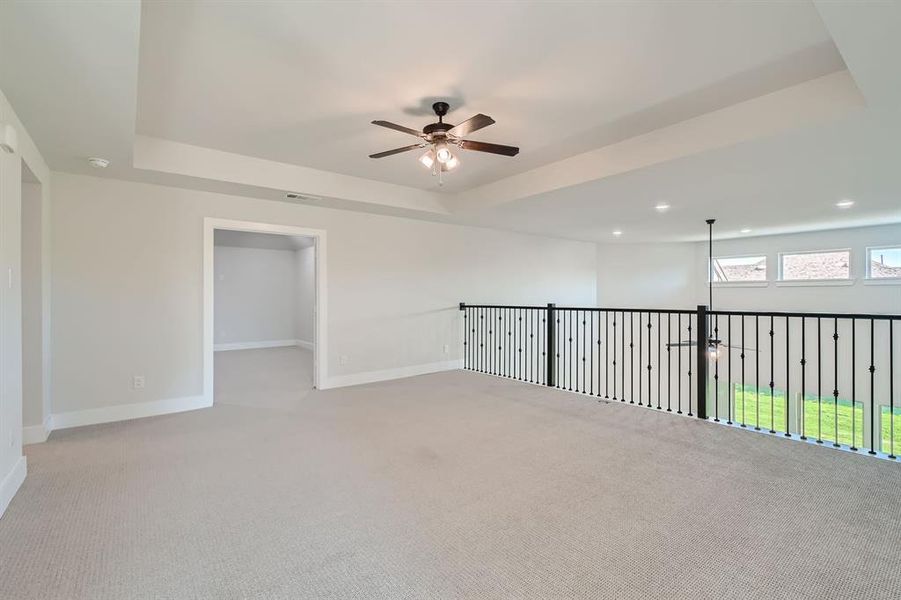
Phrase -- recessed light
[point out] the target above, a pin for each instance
(617, 232)
(662, 207)
(845, 204)
(746, 230)
(98, 163)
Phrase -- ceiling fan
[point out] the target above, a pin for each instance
(438, 138)
(712, 343)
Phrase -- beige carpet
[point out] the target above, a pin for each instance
(454, 485)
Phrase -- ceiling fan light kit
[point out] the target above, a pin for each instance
(438, 138)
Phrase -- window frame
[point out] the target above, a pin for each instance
(759, 283)
(868, 274)
(815, 282)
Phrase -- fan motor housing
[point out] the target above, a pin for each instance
(437, 128)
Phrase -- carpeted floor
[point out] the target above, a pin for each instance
(454, 485)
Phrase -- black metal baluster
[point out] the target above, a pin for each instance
(607, 354)
(490, 342)
(689, 366)
(679, 367)
(501, 338)
(716, 370)
(730, 389)
(803, 378)
(854, 385)
(757, 370)
(772, 378)
(568, 350)
(585, 332)
(508, 344)
(557, 347)
(542, 343)
(632, 357)
(521, 360)
(534, 359)
(659, 364)
(872, 389)
(528, 354)
(669, 362)
(638, 372)
(836, 443)
(591, 353)
(622, 358)
(512, 337)
(604, 342)
(465, 338)
(481, 338)
(891, 388)
(744, 396)
(787, 377)
(819, 381)
(650, 392)
(614, 356)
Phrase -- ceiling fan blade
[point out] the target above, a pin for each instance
(395, 151)
(682, 344)
(486, 147)
(397, 127)
(474, 124)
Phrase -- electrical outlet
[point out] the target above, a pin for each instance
(342, 360)
(446, 349)
(137, 382)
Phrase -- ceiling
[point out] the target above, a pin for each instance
(290, 83)
(761, 114)
(262, 241)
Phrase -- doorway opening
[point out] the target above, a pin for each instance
(264, 286)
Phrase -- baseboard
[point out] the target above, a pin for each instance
(255, 345)
(125, 412)
(304, 344)
(11, 483)
(387, 374)
(35, 434)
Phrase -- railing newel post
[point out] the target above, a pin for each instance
(702, 362)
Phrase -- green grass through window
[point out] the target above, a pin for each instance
(820, 418)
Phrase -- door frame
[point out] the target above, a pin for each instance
(210, 225)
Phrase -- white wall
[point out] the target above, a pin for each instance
(32, 326)
(675, 275)
(861, 297)
(255, 295)
(305, 294)
(12, 462)
(646, 276)
(127, 286)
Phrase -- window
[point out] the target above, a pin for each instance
(884, 263)
(829, 419)
(815, 266)
(727, 269)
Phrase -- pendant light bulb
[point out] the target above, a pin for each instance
(442, 152)
(427, 159)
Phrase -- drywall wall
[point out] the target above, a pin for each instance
(675, 275)
(25, 159)
(255, 295)
(127, 286)
(861, 296)
(305, 295)
(11, 459)
(646, 275)
(32, 326)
